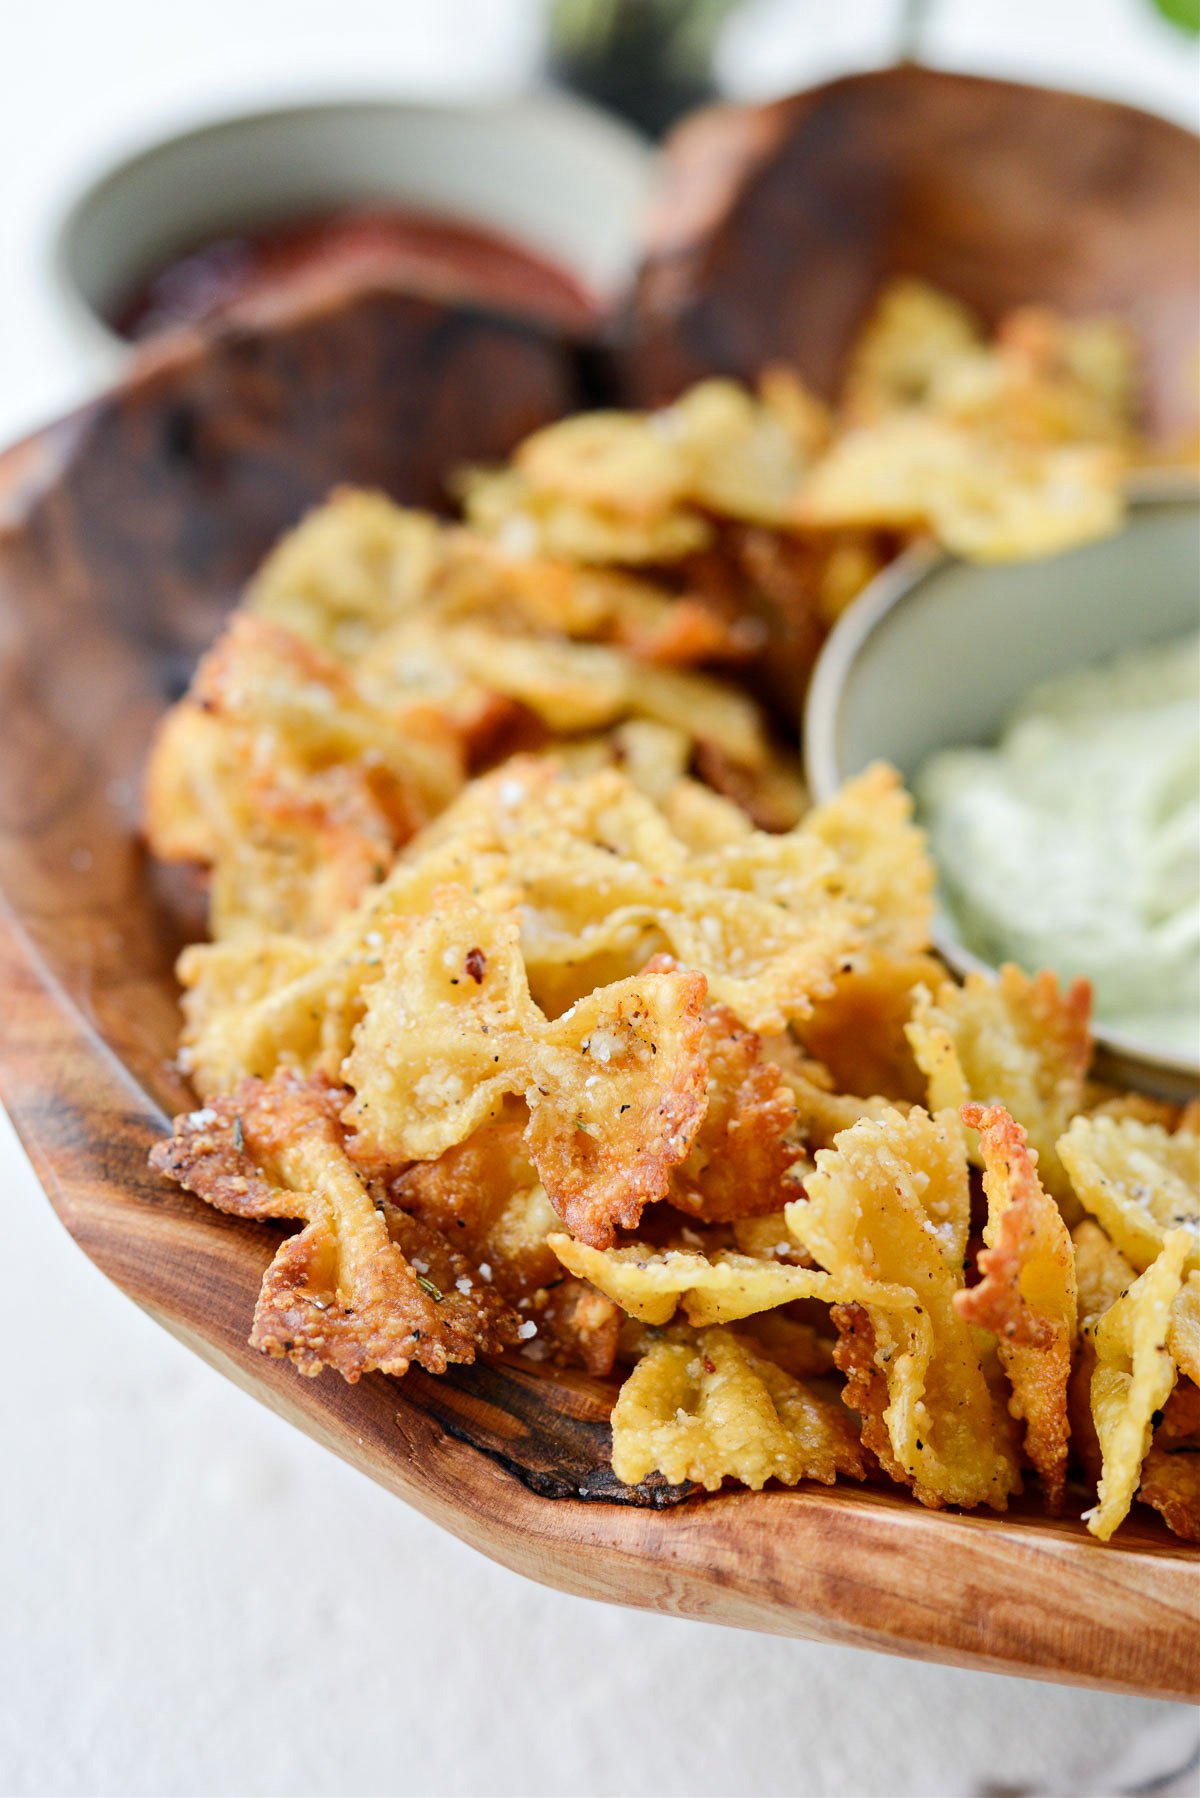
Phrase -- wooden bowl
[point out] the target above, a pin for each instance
(125, 531)
(776, 225)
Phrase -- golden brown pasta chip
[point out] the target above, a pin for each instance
(1026, 1293)
(605, 884)
(706, 1407)
(615, 1089)
(722, 1288)
(742, 1157)
(890, 1203)
(1138, 1180)
(1012, 1041)
(362, 1286)
(1132, 1380)
(868, 824)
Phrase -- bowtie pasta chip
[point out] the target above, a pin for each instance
(1012, 1041)
(706, 1407)
(615, 1088)
(363, 1286)
(889, 1203)
(1140, 1182)
(526, 521)
(742, 1158)
(1170, 1482)
(1026, 1294)
(605, 882)
(348, 570)
(868, 825)
(1132, 1380)
(290, 782)
(265, 1002)
(723, 1288)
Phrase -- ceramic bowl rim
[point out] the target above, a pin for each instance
(893, 587)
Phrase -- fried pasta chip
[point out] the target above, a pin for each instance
(529, 521)
(741, 1160)
(858, 1034)
(575, 687)
(724, 1287)
(1140, 1182)
(349, 569)
(615, 1090)
(868, 825)
(1012, 1041)
(362, 1286)
(484, 1195)
(605, 885)
(1171, 1471)
(1170, 1482)
(822, 1112)
(1026, 1294)
(704, 1406)
(890, 1204)
(1132, 1380)
(264, 1002)
(914, 333)
(298, 791)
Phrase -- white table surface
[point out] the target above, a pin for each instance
(195, 1599)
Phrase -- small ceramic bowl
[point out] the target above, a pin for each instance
(938, 653)
(548, 172)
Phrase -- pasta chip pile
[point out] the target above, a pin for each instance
(544, 1005)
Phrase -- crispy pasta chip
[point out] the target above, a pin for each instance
(890, 1204)
(349, 569)
(721, 1288)
(914, 333)
(1171, 1471)
(706, 1407)
(742, 1158)
(868, 824)
(1184, 1337)
(1012, 1041)
(1026, 1294)
(289, 782)
(615, 1090)
(484, 1195)
(1171, 1483)
(859, 1033)
(532, 521)
(1138, 1180)
(605, 884)
(1132, 1380)
(362, 1286)
(264, 1002)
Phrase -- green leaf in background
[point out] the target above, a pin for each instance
(1184, 13)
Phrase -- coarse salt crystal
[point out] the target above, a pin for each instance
(485, 1271)
(527, 1329)
(199, 1119)
(463, 1284)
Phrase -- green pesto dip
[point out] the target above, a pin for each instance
(1074, 844)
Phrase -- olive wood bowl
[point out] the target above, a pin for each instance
(125, 533)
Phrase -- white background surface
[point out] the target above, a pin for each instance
(195, 1599)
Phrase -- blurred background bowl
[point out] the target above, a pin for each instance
(553, 175)
(938, 653)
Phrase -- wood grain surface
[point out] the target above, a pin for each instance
(775, 225)
(124, 533)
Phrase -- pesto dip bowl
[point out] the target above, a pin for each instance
(938, 653)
